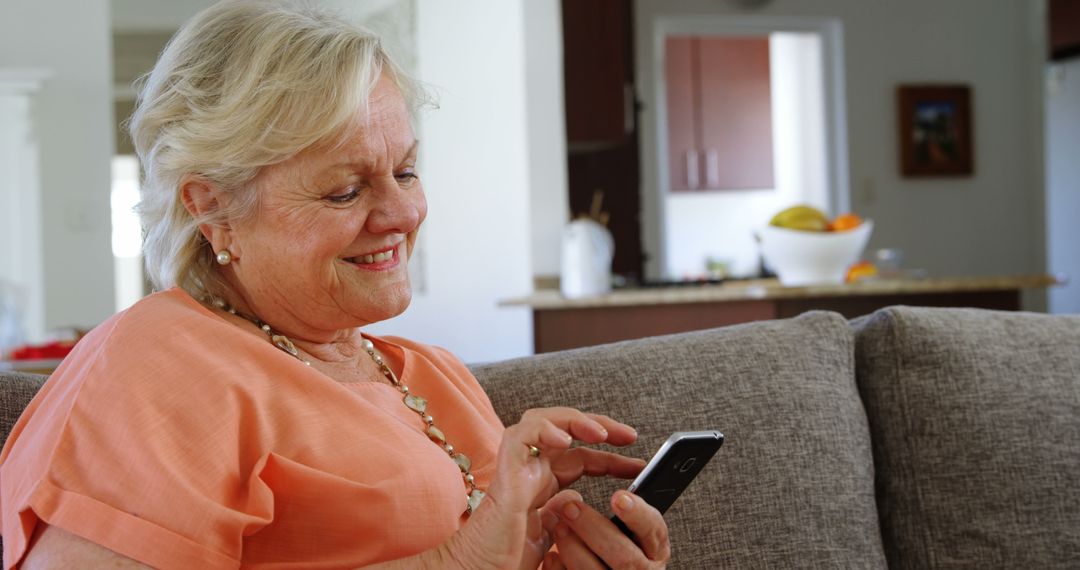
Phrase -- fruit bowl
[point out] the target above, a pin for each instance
(812, 258)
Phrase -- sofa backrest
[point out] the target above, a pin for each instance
(975, 419)
(792, 485)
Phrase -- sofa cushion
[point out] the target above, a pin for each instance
(16, 391)
(792, 485)
(975, 417)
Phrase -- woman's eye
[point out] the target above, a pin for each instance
(346, 195)
(406, 178)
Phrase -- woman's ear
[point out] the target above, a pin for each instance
(201, 198)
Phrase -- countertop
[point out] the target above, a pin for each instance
(33, 366)
(763, 289)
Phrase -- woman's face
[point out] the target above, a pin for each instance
(329, 244)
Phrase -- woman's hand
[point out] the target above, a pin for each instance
(506, 531)
(589, 540)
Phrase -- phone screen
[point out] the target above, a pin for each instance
(672, 469)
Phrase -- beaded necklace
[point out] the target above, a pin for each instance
(411, 401)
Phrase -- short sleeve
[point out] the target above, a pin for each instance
(134, 455)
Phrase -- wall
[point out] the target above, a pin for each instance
(1063, 182)
(992, 223)
(73, 123)
(549, 198)
(153, 15)
(475, 167)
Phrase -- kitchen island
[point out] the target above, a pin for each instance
(560, 323)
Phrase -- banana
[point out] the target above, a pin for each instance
(805, 218)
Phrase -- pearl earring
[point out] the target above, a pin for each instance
(224, 257)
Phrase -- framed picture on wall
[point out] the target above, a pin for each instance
(935, 130)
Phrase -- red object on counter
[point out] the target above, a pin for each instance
(52, 350)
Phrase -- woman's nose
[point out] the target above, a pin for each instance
(397, 209)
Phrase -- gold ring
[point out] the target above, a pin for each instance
(534, 451)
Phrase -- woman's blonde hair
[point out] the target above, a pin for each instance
(243, 85)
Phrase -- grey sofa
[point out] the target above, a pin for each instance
(911, 438)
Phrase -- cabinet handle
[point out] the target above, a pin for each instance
(629, 106)
(712, 168)
(693, 182)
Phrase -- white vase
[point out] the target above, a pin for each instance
(587, 251)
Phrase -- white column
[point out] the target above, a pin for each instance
(549, 196)
(21, 250)
(475, 166)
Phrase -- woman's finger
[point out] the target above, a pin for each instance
(589, 428)
(573, 552)
(619, 434)
(524, 479)
(538, 541)
(551, 436)
(607, 542)
(553, 562)
(519, 440)
(573, 464)
(549, 513)
(648, 525)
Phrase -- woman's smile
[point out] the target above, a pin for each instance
(380, 260)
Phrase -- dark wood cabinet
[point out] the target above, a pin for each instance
(684, 126)
(598, 67)
(1064, 25)
(601, 121)
(574, 327)
(719, 113)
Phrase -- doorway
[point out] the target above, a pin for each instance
(1063, 182)
(802, 155)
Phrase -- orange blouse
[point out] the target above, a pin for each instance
(170, 437)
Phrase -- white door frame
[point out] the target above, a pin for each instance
(831, 32)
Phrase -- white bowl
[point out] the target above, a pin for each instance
(812, 258)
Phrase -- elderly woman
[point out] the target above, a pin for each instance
(240, 417)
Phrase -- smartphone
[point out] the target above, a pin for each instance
(671, 470)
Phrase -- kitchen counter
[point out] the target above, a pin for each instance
(772, 289)
(560, 323)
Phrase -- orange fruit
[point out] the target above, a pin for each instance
(860, 270)
(845, 222)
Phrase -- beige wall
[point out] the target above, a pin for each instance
(475, 163)
(73, 120)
